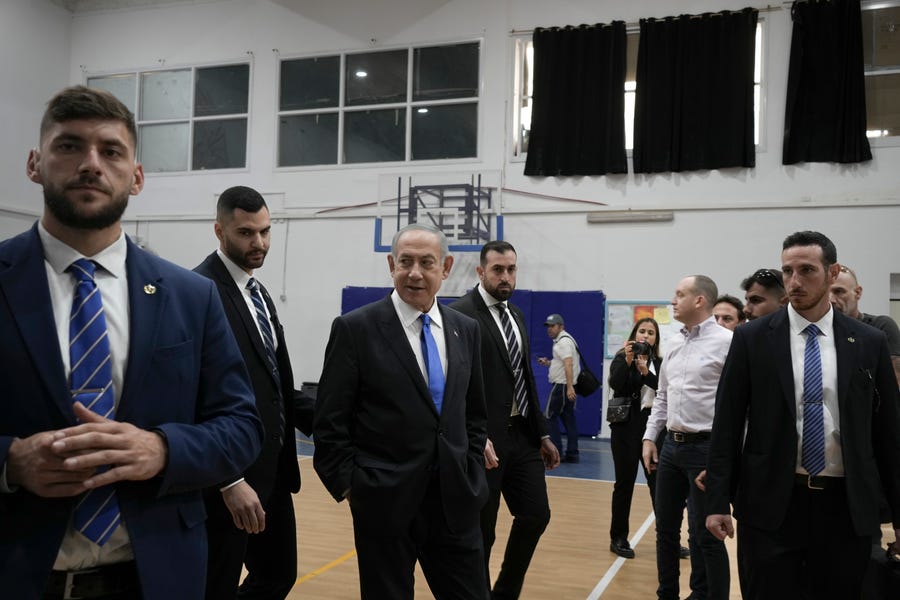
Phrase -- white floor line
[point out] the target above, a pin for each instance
(614, 568)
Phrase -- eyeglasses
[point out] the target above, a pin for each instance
(846, 269)
(768, 274)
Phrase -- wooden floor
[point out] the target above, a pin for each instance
(572, 561)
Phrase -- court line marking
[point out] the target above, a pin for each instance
(324, 568)
(619, 562)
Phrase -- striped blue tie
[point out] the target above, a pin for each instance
(265, 326)
(432, 363)
(813, 445)
(90, 381)
(515, 358)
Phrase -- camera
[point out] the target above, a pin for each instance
(640, 349)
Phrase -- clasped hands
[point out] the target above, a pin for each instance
(67, 462)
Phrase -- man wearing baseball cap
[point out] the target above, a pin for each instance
(563, 372)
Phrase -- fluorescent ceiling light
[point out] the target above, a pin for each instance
(631, 216)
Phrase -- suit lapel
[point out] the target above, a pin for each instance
(846, 351)
(780, 346)
(488, 324)
(456, 350)
(389, 326)
(147, 299)
(25, 286)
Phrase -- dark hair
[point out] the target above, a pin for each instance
(736, 303)
(770, 279)
(79, 102)
(655, 346)
(241, 197)
(813, 238)
(706, 287)
(498, 246)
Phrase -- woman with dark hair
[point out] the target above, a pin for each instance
(633, 374)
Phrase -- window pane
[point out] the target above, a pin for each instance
(165, 95)
(308, 140)
(310, 83)
(881, 38)
(164, 147)
(374, 135)
(632, 42)
(883, 105)
(222, 90)
(220, 144)
(121, 86)
(376, 77)
(445, 72)
(445, 131)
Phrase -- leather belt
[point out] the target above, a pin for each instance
(104, 580)
(688, 438)
(820, 482)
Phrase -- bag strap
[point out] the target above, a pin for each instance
(584, 364)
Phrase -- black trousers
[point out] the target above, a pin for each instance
(814, 555)
(626, 444)
(520, 479)
(453, 561)
(270, 556)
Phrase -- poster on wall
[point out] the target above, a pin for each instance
(621, 315)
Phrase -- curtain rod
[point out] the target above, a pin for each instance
(634, 25)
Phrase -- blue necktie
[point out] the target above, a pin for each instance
(432, 363)
(268, 339)
(90, 381)
(813, 444)
(515, 358)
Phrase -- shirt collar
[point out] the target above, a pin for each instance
(700, 327)
(240, 276)
(61, 256)
(489, 300)
(799, 323)
(409, 314)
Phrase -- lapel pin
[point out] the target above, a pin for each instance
(150, 289)
(456, 333)
(851, 339)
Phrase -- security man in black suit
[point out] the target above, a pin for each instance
(251, 520)
(518, 449)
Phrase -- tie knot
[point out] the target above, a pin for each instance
(82, 269)
(811, 330)
(501, 306)
(426, 320)
(253, 285)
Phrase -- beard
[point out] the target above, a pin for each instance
(248, 261)
(500, 293)
(69, 213)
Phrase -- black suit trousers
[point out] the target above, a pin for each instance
(270, 556)
(520, 479)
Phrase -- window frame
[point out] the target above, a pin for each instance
(518, 49)
(409, 105)
(891, 141)
(191, 118)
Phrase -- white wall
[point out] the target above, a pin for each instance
(727, 223)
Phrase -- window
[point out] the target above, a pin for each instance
(881, 56)
(408, 104)
(523, 90)
(189, 119)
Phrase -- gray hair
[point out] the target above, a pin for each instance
(445, 245)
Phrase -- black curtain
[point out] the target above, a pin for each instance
(694, 98)
(577, 120)
(825, 116)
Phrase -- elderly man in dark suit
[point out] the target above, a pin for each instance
(251, 517)
(816, 392)
(400, 429)
(124, 393)
(518, 447)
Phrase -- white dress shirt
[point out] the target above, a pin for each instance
(688, 379)
(241, 279)
(834, 462)
(412, 326)
(76, 551)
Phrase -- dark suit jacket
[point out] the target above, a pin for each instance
(377, 431)
(185, 377)
(499, 382)
(758, 385)
(279, 453)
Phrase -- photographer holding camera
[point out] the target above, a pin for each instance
(632, 374)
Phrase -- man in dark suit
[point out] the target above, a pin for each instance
(177, 410)
(518, 447)
(817, 393)
(400, 429)
(259, 502)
